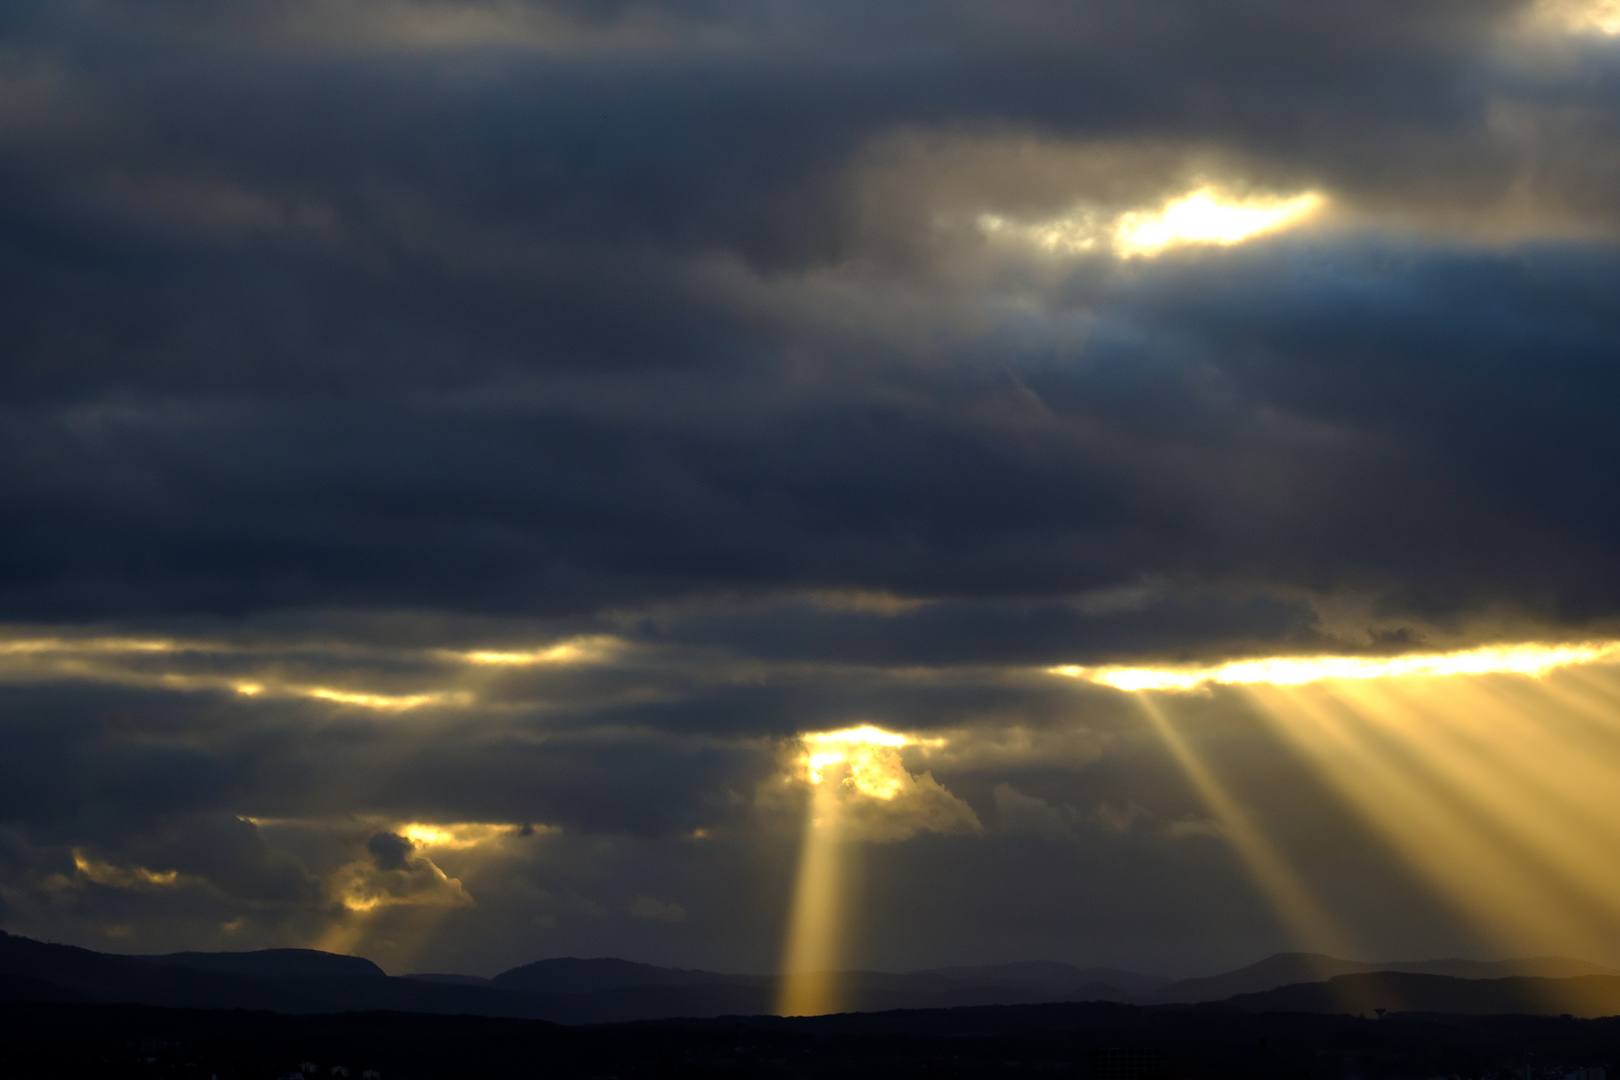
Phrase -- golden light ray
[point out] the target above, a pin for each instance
(1520, 659)
(1476, 751)
(1307, 921)
(868, 767)
(1559, 775)
(1500, 885)
(1490, 771)
(816, 930)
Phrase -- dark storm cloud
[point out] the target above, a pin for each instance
(339, 339)
(1319, 421)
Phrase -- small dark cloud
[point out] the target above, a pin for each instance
(390, 851)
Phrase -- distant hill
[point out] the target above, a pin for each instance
(1397, 992)
(457, 980)
(567, 990)
(1054, 974)
(1288, 969)
(274, 962)
(584, 991)
(570, 975)
(1030, 982)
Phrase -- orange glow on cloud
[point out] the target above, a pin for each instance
(1525, 659)
(573, 651)
(1578, 16)
(1206, 215)
(874, 766)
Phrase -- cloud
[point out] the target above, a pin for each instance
(390, 851)
(655, 910)
(453, 446)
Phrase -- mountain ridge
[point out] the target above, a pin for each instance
(572, 990)
(1286, 969)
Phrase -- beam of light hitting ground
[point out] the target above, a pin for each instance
(1490, 772)
(861, 762)
(1497, 791)
(1307, 922)
(1523, 659)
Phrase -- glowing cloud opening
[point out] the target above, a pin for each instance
(1578, 16)
(573, 651)
(874, 767)
(1524, 659)
(113, 646)
(379, 702)
(120, 877)
(458, 836)
(1205, 216)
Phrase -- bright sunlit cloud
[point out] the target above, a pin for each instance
(1206, 215)
(459, 835)
(573, 651)
(874, 766)
(123, 877)
(38, 646)
(1578, 16)
(1523, 659)
(378, 701)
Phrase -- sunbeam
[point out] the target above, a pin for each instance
(1307, 921)
(860, 790)
(1489, 771)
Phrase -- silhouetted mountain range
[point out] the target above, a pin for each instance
(575, 991)
(1285, 969)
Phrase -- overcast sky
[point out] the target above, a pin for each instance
(763, 367)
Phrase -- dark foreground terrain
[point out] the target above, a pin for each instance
(1100, 1041)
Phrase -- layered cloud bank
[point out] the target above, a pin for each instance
(456, 451)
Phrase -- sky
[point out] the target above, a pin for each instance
(460, 456)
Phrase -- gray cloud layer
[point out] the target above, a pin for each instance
(346, 332)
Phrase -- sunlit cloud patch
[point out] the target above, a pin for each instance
(1207, 215)
(341, 673)
(1523, 659)
(573, 651)
(1579, 16)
